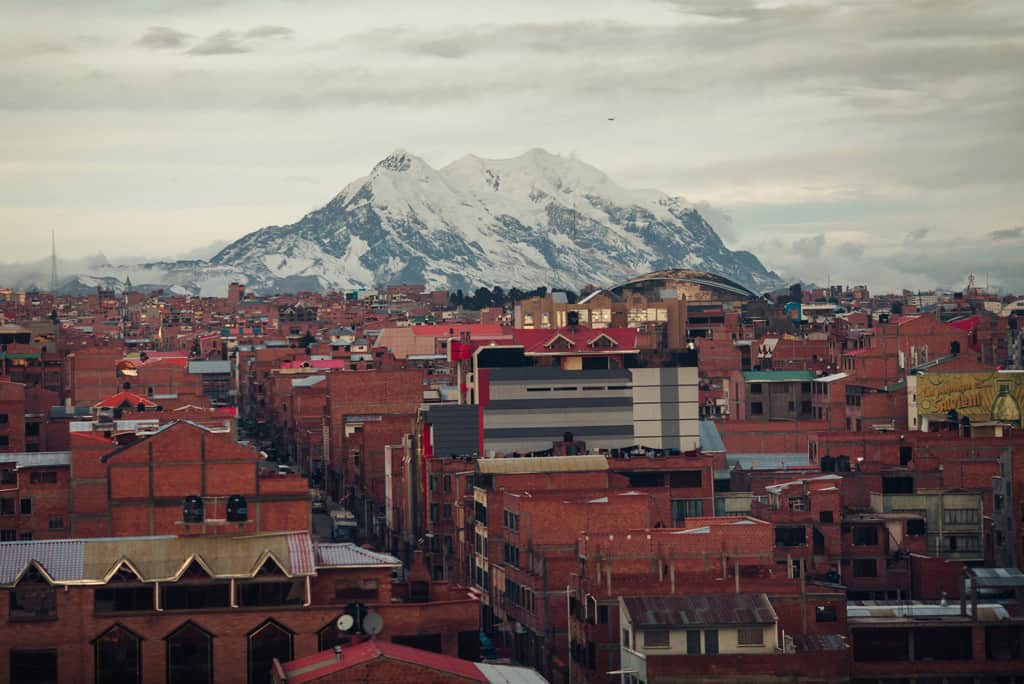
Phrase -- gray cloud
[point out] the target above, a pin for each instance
(163, 38)
(1007, 233)
(847, 250)
(268, 31)
(919, 234)
(221, 43)
(810, 247)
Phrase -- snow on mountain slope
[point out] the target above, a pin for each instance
(536, 219)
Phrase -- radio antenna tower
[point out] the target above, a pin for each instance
(53, 262)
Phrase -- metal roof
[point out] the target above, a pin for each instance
(61, 559)
(832, 378)
(308, 381)
(769, 461)
(509, 674)
(209, 367)
(700, 610)
(996, 577)
(37, 459)
(541, 464)
(778, 376)
(710, 438)
(341, 555)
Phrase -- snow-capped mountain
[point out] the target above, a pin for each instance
(536, 219)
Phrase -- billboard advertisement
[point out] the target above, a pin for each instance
(982, 397)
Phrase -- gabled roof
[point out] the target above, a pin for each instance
(125, 397)
(698, 610)
(160, 558)
(350, 555)
(580, 339)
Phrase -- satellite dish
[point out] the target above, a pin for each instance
(345, 622)
(373, 623)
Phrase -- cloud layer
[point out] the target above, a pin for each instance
(844, 139)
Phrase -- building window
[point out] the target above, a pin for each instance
(25, 536)
(117, 656)
(268, 641)
(433, 512)
(865, 536)
(791, 536)
(962, 516)
(33, 599)
(655, 638)
(356, 590)
(693, 642)
(756, 408)
(189, 655)
(196, 595)
(8, 476)
(123, 593)
(865, 567)
(826, 516)
(685, 479)
(264, 593)
(34, 667)
(26, 506)
(446, 511)
(330, 636)
(43, 477)
(755, 388)
(711, 642)
(825, 614)
(56, 522)
(7, 535)
(916, 527)
(963, 544)
(3, 419)
(7, 506)
(687, 508)
(625, 639)
(750, 636)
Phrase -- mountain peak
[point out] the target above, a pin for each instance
(399, 161)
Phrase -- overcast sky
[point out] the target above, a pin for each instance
(857, 140)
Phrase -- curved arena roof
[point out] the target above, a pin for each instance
(702, 278)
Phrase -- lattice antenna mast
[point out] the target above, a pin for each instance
(53, 261)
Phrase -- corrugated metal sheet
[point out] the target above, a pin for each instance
(997, 577)
(339, 555)
(209, 367)
(768, 461)
(544, 464)
(37, 459)
(61, 559)
(700, 610)
(300, 548)
(510, 674)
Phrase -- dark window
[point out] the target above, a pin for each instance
(825, 614)
(8, 476)
(756, 408)
(685, 478)
(117, 657)
(34, 667)
(433, 512)
(268, 641)
(43, 477)
(292, 593)
(865, 536)
(424, 642)
(943, 644)
(879, 645)
(750, 636)
(356, 589)
(805, 387)
(790, 536)
(330, 636)
(865, 567)
(655, 638)
(26, 506)
(31, 429)
(711, 641)
(646, 479)
(189, 655)
(7, 535)
(898, 485)
(755, 388)
(1003, 643)
(7, 506)
(826, 516)
(916, 527)
(693, 642)
(687, 508)
(122, 599)
(195, 596)
(56, 522)
(5, 440)
(3, 418)
(33, 598)
(906, 454)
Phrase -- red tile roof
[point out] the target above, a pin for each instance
(580, 338)
(120, 398)
(318, 665)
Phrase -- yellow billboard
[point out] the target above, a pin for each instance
(982, 397)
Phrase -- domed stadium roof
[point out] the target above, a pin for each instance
(704, 279)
